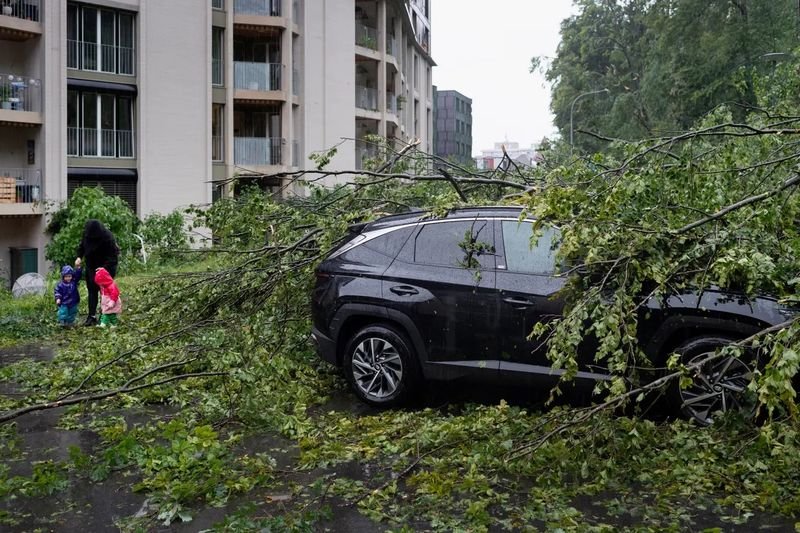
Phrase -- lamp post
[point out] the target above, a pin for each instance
(572, 109)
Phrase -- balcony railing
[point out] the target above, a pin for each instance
(257, 76)
(295, 82)
(258, 151)
(90, 142)
(366, 98)
(264, 8)
(217, 72)
(218, 4)
(295, 153)
(114, 59)
(217, 148)
(391, 46)
(366, 36)
(391, 103)
(20, 185)
(364, 152)
(24, 9)
(296, 11)
(19, 93)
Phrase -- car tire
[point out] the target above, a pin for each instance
(717, 386)
(381, 367)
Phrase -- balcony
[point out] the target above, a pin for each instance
(19, 189)
(391, 103)
(258, 151)
(217, 73)
(295, 153)
(366, 98)
(20, 100)
(392, 48)
(259, 8)
(366, 37)
(20, 20)
(295, 82)
(105, 143)
(112, 59)
(256, 77)
(217, 149)
(365, 152)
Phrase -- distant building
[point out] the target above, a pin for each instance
(491, 159)
(453, 132)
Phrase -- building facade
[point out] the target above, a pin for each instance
(453, 134)
(161, 103)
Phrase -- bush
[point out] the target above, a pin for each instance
(66, 225)
(163, 235)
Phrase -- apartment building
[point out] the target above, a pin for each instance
(453, 117)
(161, 102)
(295, 77)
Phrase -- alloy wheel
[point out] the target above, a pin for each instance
(377, 368)
(718, 385)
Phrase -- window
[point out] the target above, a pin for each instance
(100, 39)
(125, 189)
(217, 137)
(526, 252)
(217, 47)
(443, 243)
(99, 125)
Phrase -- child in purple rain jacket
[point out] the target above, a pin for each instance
(67, 296)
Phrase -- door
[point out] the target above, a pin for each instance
(443, 280)
(526, 290)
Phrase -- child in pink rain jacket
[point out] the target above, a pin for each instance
(110, 301)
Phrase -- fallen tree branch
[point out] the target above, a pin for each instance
(406, 471)
(121, 356)
(738, 205)
(11, 415)
(586, 414)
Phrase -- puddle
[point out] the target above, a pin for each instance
(36, 352)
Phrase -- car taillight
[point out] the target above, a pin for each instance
(322, 276)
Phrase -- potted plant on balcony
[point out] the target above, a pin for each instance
(7, 9)
(400, 101)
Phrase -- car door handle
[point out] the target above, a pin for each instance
(404, 290)
(519, 303)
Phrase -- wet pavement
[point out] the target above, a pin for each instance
(99, 506)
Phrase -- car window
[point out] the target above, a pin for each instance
(390, 243)
(526, 252)
(445, 243)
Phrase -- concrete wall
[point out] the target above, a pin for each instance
(174, 105)
(19, 232)
(329, 80)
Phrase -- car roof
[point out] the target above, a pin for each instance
(466, 212)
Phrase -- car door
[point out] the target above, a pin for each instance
(448, 293)
(527, 289)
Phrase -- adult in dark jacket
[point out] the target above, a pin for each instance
(98, 248)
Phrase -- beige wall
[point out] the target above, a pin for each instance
(174, 105)
(329, 80)
(19, 232)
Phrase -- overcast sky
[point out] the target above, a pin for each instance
(483, 49)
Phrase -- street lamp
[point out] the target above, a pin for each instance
(572, 109)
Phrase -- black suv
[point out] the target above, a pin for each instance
(404, 300)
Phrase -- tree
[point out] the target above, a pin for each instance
(666, 63)
(66, 225)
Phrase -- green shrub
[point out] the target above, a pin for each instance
(66, 225)
(163, 235)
